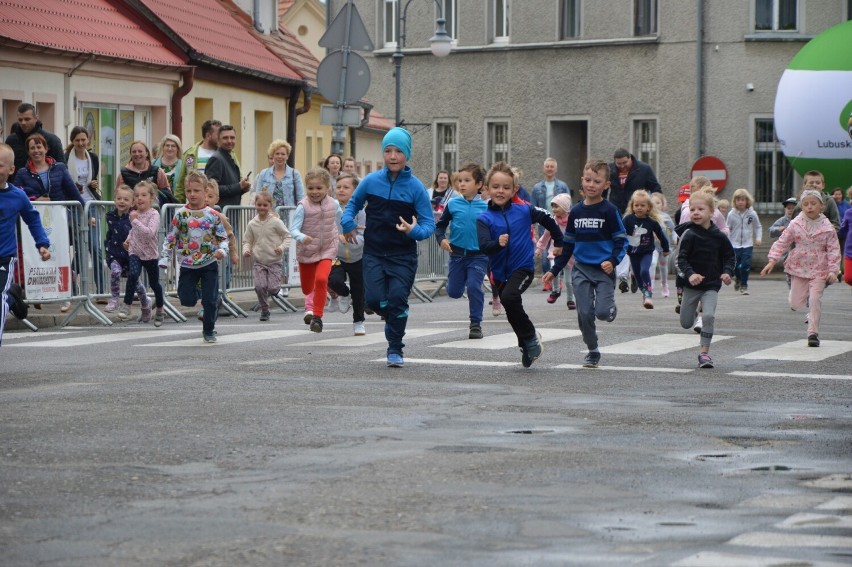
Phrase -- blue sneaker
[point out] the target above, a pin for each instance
(210, 338)
(395, 360)
(592, 360)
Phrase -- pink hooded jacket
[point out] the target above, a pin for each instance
(817, 251)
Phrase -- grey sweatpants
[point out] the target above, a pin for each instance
(689, 311)
(594, 293)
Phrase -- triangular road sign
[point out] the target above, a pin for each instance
(335, 36)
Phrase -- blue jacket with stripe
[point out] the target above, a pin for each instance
(387, 200)
(463, 214)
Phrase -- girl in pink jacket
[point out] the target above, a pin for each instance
(316, 229)
(813, 263)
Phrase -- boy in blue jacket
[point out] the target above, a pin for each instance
(468, 264)
(13, 203)
(596, 237)
(398, 215)
(504, 234)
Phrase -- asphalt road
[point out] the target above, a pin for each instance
(276, 446)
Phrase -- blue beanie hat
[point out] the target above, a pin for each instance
(400, 138)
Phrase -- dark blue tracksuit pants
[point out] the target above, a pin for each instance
(387, 285)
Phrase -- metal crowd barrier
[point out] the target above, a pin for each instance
(432, 266)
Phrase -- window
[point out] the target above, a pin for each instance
(389, 14)
(446, 146)
(497, 144)
(773, 175)
(776, 15)
(500, 20)
(450, 12)
(569, 19)
(645, 17)
(309, 151)
(645, 141)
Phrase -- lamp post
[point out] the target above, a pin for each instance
(441, 44)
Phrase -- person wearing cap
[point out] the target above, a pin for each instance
(399, 214)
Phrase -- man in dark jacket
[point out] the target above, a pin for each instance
(627, 174)
(225, 169)
(28, 123)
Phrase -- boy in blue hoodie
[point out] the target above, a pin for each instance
(468, 264)
(398, 215)
(596, 237)
(504, 234)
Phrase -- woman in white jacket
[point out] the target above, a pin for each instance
(745, 234)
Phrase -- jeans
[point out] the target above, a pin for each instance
(468, 272)
(387, 282)
(743, 256)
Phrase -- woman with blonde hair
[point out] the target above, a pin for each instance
(167, 156)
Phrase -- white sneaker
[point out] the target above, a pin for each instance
(697, 326)
(284, 292)
(358, 329)
(333, 305)
(344, 303)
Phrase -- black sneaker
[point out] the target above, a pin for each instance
(531, 350)
(592, 359)
(634, 287)
(813, 340)
(264, 315)
(612, 314)
(622, 286)
(475, 331)
(18, 307)
(316, 325)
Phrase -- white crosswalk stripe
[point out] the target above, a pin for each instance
(88, 339)
(508, 340)
(654, 369)
(659, 344)
(800, 351)
(371, 338)
(235, 338)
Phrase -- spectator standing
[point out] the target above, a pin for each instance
(842, 204)
(141, 168)
(28, 123)
(333, 164)
(224, 167)
(167, 157)
(195, 158)
(542, 195)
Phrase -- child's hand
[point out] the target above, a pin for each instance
(758, 242)
(93, 221)
(726, 279)
(696, 279)
(247, 253)
(218, 254)
(342, 238)
(537, 254)
(133, 215)
(547, 277)
(278, 251)
(406, 227)
(126, 245)
(45, 254)
(832, 278)
(607, 267)
(665, 254)
(235, 258)
(503, 239)
(557, 250)
(307, 240)
(767, 268)
(352, 236)
(445, 245)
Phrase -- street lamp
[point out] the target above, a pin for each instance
(441, 44)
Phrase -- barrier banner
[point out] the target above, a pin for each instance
(50, 279)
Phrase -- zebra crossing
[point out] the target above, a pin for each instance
(824, 530)
(338, 335)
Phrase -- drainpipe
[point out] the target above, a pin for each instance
(293, 112)
(699, 82)
(258, 25)
(177, 101)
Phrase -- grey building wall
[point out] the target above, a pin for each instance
(606, 77)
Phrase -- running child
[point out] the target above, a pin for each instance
(642, 223)
(142, 246)
(197, 238)
(349, 260)
(745, 234)
(265, 239)
(504, 234)
(705, 261)
(598, 241)
(662, 206)
(813, 263)
(211, 200)
(14, 203)
(118, 259)
(315, 227)
(468, 265)
(398, 214)
(560, 206)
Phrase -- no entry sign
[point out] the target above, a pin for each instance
(713, 169)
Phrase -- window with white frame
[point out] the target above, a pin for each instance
(776, 15)
(446, 146)
(500, 20)
(450, 12)
(390, 19)
(645, 17)
(773, 176)
(497, 144)
(569, 19)
(645, 141)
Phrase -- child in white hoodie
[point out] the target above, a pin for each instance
(745, 234)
